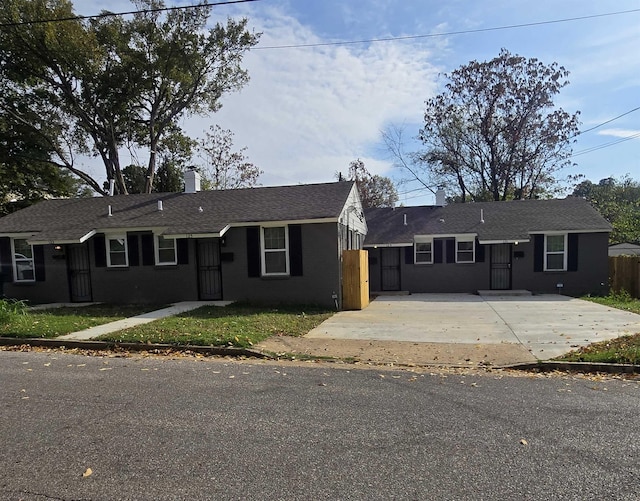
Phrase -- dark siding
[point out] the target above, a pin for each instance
(100, 251)
(183, 250)
(479, 252)
(6, 264)
(437, 250)
(451, 250)
(295, 250)
(133, 249)
(38, 262)
(148, 256)
(538, 252)
(408, 255)
(253, 251)
(572, 258)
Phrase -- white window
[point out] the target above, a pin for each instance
(465, 250)
(166, 251)
(23, 265)
(555, 252)
(117, 251)
(275, 250)
(423, 249)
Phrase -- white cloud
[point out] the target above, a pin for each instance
(307, 112)
(622, 133)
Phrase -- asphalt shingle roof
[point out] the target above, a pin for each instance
(503, 221)
(70, 219)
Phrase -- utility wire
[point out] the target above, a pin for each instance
(605, 123)
(444, 34)
(606, 145)
(115, 14)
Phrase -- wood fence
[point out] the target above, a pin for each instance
(355, 280)
(624, 273)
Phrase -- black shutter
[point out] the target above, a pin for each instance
(408, 255)
(479, 252)
(133, 249)
(38, 262)
(253, 251)
(572, 258)
(183, 250)
(538, 252)
(451, 250)
(6, 263)
(437, 250)
(148, 256)
(295, 250)
(100, 251)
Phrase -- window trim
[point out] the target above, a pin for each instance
(564, 252)
(473, 249)
(264, 251)
(416, 253)
(107, 240)
(14, 262)
(156, 249)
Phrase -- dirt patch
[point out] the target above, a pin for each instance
(399, 352)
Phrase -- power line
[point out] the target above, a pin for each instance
(115, 14)
(444, 34)
(607, 122)
(606, 145)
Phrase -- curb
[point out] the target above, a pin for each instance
(110, 345)
(225, 351)
(585, 367)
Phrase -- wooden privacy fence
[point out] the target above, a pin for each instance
(624, 273)
(355, 279)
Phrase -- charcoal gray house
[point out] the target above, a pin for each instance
(268, 244)
(543, 246)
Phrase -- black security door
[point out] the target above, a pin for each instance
(390, 268)
(209, 276)
(501, 266)
(79, 273)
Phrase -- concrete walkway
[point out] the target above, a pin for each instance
(546, 326)
(145, 318)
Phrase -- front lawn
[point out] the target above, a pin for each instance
(24, 323)
(622, 350)
(241, 325)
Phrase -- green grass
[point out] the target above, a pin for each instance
(622, 350)
(241, 325)
(59, 321)
(620, 300)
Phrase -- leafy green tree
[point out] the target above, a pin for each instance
(494, 132)
(94, 87)
(374, 190)
(618, 200)
(223, 167)
(26, 174)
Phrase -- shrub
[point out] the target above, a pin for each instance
(11, 308)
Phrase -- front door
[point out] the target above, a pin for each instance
(209, 275)
(79, 273)
(500, 266)
(390, 268)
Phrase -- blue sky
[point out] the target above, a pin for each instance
(308, 111)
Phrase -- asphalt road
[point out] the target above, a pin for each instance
(151, 428)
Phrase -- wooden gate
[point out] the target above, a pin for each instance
(355, 279)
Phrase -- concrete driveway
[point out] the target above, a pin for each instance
(546, 325)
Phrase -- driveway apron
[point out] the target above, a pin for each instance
(546, 325)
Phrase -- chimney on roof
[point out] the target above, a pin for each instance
(440, 197)
(191, 181)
